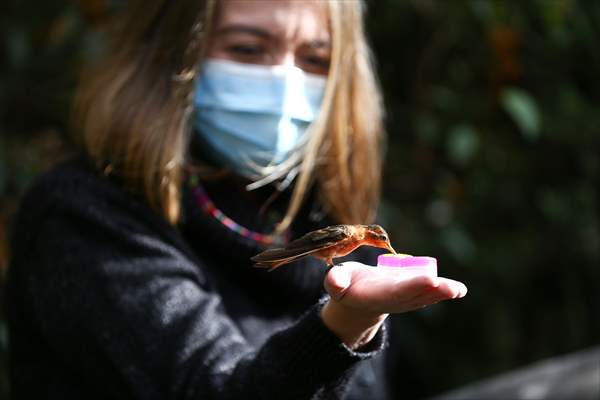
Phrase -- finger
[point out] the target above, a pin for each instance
(451, 289)
(393, 292)
(388, 289)
(441, 289)
(389, 293)
(337, 281)
(424, 281)
(444, 289)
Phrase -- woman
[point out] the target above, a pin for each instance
(131, 275)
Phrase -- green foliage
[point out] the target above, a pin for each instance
(523, 110)
(493, 163)
(493, 167)
(462, 144)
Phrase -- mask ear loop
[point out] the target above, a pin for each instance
(284, 169)
(279, 188)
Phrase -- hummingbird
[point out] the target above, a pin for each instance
(325, 244)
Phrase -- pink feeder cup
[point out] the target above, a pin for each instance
(411, 265)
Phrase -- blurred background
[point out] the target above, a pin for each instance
(493, 164)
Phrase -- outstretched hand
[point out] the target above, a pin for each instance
(362, 297)
(386, 290)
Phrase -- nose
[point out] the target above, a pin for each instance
(284, 57)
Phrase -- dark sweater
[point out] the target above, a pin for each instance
(108, 301)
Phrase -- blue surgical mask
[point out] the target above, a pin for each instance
(251, 117)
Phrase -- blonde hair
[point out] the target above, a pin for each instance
(133, 110)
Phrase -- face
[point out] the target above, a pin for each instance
(376, 232)
(380, 237)
(273, 32)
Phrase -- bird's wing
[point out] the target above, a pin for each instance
(321, 238)
(303, 246)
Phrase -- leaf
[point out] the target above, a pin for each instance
(523, 109)
(463, 143)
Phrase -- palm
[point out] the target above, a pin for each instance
(385, 290)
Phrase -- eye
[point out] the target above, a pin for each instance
(314, 58)
(319, 62)
(246, 49)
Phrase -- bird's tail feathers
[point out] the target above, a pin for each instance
(274, 258)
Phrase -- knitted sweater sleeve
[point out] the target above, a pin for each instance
(133, 316)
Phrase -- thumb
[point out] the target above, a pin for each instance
(337, 281)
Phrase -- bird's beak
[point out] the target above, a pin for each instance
(390, 248)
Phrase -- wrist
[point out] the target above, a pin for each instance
(353, 326)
